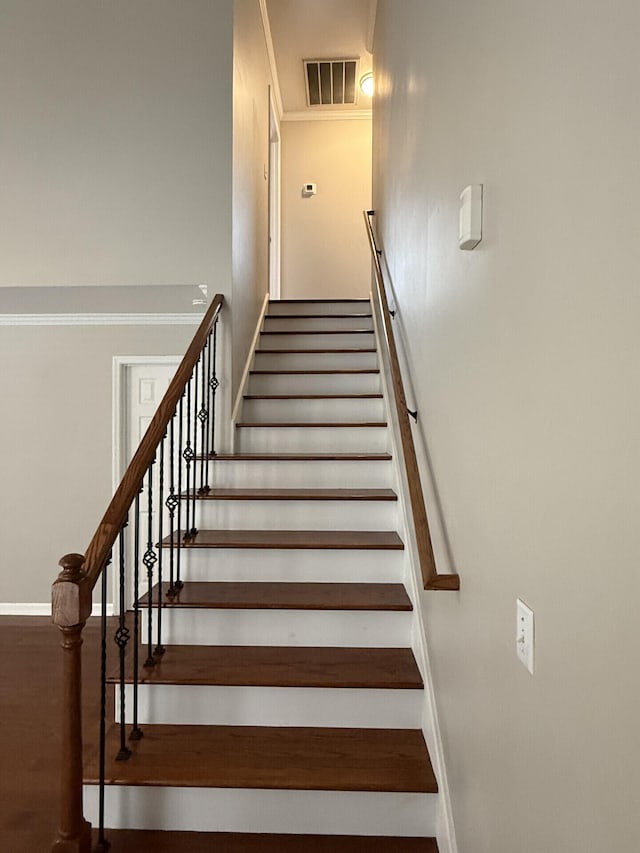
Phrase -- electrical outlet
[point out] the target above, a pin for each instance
(524, 634)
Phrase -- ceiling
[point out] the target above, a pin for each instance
(319, 29)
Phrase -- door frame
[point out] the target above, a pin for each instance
(275, 204)
(119, 423)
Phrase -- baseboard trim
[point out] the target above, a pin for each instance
(39, 608)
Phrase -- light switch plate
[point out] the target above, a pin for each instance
(524, 634)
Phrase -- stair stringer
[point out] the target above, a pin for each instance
(413, 580)
(251, 355)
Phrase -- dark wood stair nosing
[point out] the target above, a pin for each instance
(326, 372)
(156, 841)
(312, 397)
(298, 667)
(291, 540)
(320, 351)
(299, 457)
(284, 595)
(284, 332)
(311, 424)
(293, 494)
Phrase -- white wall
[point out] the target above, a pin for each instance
(55, 435)
(324, 244)
(251, 82)
(524, 358)
(115, 151)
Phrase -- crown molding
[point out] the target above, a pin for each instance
(329, 115)
(100, 319)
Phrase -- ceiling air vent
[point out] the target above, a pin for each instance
(331, 81)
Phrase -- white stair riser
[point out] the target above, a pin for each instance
(357, 338)
(316, 566)
(312, 439)
(297, 515)
(311, 475)
(314, 383)
(351, 306)
(203, 627)
(274, 706)
(259, 810)
(296, 411)
(273, 323)
(315, 361)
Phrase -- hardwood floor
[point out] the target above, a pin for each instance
(30, 672)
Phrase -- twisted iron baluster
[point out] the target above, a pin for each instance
(159, 649)
(194, 381)
(150, 559)
(188, 455)
(121, 638)
(171, 503)
(179, 584)
(214, 383)
(203, 417)
(136, 731)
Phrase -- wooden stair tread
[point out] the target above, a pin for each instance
(289, 758)
(284, 595)
(283, 666)
(310, 424)
(359, 299)
(149, 841)
(324, 350)
(350, 370)
(318, 332)
(312, 397)
(302, 457)
(379, 540)
(298, 495)
(359, 315)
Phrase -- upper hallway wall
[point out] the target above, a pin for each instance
(251, 83)
(524, 356)
(324, 246)
(115, 150)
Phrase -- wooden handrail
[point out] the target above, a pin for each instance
(103, 540)
(430, 577)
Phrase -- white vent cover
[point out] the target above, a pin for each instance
(331, 81)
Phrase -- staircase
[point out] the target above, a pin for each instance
(286, 713)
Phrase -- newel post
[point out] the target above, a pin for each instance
(70, 609)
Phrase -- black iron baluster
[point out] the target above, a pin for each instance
(194, 381)
(203, 416)
(179, 584)
(102, 842)
(188, 458)
(150, 559)
(171, 503)
(136, 731)
(159, 649)
(121, 638)
(214, 383)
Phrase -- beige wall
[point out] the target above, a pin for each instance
(251, 81)
(115, 151)
(56, 437)
(524, 355)
(324, 248)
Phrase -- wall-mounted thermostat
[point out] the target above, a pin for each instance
(309, 190)
(470, 232)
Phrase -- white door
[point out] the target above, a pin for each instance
(140, 383)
